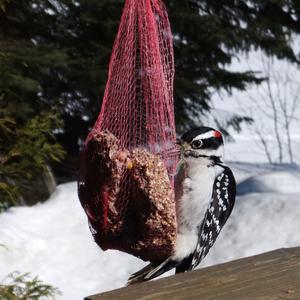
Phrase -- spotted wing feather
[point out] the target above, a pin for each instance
(220, 208)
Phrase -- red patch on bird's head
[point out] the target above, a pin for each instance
(217, 134)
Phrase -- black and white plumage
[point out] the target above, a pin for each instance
(205, 192)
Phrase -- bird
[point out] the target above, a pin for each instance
(205, 191)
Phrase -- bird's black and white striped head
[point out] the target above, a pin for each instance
(202, 142)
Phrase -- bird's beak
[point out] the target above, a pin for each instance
(179, 142)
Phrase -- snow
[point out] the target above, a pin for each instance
(52, 240)
(279, 182)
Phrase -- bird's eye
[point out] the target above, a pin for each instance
(196, 144)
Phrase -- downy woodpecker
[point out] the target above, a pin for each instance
(205, 192)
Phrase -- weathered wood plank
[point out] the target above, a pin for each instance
(272, 275)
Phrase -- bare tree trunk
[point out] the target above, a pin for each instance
(278, 100)
(290, 98)
(275, 122)
(290, 150)
(265, 146)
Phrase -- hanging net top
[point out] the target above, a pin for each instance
(138, 101)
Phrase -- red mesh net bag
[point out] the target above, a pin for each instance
(129, 157)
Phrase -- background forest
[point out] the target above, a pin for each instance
(54, 57)
(232, 56)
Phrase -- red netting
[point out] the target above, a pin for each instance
(124, 185)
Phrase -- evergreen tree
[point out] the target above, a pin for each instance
(18, 286)
(57, 53)
(209, 34)
(3, 4)
(27, 121)
(25, 150)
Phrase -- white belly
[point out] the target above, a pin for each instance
(191, 208)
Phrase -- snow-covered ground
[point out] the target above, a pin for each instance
(52, 240)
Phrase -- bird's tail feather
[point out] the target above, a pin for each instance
(151, 271)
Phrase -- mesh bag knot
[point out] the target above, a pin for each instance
(128, 160)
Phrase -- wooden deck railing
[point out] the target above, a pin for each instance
(268, 276)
